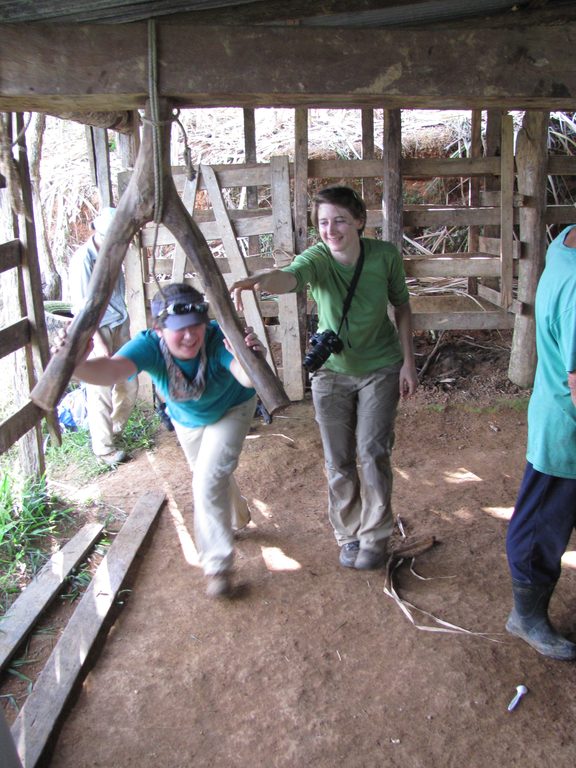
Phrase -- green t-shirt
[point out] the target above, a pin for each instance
(369, 336)
(551, 413)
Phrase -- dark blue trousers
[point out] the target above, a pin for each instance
(541, 526)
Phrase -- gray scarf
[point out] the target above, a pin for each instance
(180, 387)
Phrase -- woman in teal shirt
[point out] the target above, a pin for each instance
(357, 389)
(211, 403)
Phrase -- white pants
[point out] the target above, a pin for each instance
(110, 407)
(212, 452)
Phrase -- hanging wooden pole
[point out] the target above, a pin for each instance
(136, 208)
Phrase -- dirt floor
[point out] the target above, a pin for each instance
(315, 665)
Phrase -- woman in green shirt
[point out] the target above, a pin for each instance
(361, 365)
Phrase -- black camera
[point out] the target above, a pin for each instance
(323, 345)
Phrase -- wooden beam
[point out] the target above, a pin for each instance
(17, 425)
(10, 255)
(15, 336)
(66, 665)
(392, 214)
(24, 612)
(105, 67)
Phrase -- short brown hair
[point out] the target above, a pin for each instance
(344, 197)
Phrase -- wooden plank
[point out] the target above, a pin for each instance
(99, 156)
(137, 311)
(235, 259)
(494, 296)
(292, 371)
(412, 167)
(559, 214)
(253, 264)
(246, 223)
(450, 312)
(17, 425)
(369, 191)
(44, 706)
(507, 179)
(446, 216)
(15, 336)
(561, 166)
(24, 612)
(492, 246)
(180, 258)
(451, 266)
(407, 68)
(10, 255)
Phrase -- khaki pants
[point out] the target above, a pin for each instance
(356, 417)
(110, 407)
(212, 453)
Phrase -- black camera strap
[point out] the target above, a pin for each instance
(352, 287)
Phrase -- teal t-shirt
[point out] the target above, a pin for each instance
(222, 390)
(369, 336)
(551, 412)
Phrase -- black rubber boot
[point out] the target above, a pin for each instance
(529, 621)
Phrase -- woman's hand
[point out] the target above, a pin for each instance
(408, 379)
(59, 342)
(245, 284)
(251, 340)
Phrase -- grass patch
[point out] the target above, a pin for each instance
(518, 404)
(34, 521)
(30, 520)
(75, 454)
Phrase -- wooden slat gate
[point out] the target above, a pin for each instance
(27, 333)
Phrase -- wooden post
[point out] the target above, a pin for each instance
(99, 154)
(292, 373)
(392, 203)
(301, 206)
(532, 166)
(506, 211)
(474, 196)
(492, 183)
(250, 157)
(368, 185)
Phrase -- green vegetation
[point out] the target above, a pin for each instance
(32, 518)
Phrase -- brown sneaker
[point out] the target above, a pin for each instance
(219, 585)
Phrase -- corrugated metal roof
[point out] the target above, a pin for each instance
(326, 13)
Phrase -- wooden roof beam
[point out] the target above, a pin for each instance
(103, 68)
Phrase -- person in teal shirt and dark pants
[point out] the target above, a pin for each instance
(545, 512)
(361, 364)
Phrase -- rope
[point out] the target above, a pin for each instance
(156, 141)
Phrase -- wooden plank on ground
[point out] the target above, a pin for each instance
(24, 612)
(292, 372)
(235, 259)
(44, 706)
